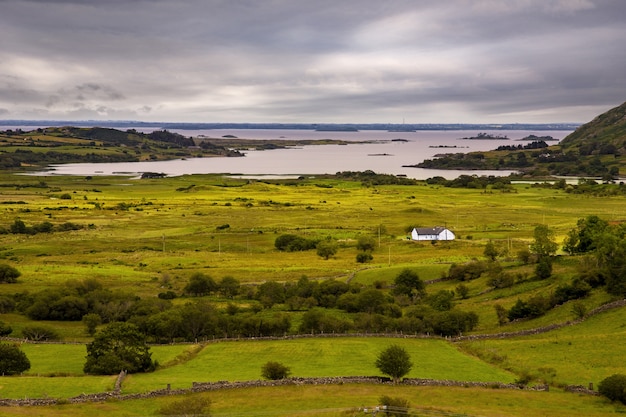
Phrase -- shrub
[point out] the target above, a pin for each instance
(8, 274)
(395, 406)
(614, 388)
(192, 405)
(39, 333)
(12, 360)
(274, 371)
(5, 329)
(363, 257)
(293, 243)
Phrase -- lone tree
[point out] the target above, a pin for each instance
(119, 347)
(395, 362)
(326, 249)
(12, 360)
(274, 371)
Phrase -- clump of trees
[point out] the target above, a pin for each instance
(20, 228)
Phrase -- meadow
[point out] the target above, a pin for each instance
(151, 235)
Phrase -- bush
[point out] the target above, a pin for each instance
(5, 329)
(8, 274)
(614, 388)
(363, 257)
(39, 333)
(12, 360)
(293, 243)
(274, 371)
(395, 406)
(193, 405)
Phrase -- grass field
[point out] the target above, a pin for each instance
(146, 236)
(350, 400)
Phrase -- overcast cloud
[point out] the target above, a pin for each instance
(365, 61)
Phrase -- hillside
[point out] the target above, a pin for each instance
(595, 149)
(604, 134)
(55, 145)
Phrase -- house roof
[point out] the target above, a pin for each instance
(429, 230)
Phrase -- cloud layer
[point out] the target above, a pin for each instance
(366, 61)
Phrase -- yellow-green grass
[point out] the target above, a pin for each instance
(578, 354)
(347, 400)
(316, 357)
(57, 371)
(242, 361)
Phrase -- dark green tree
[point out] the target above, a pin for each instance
(395, 362)
(8, 274)
(200, 284)
(229, 287)
(119, 347)
(274, 371)
(12, 360)
(491, 251)
(614, 388)
(409, 283)
(584, 237)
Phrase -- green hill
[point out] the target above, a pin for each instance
(606, 134)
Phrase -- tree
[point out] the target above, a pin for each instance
(12, 360)
(585, 236)
(274, 371)
(91, 322)
(544, 244)
(326, 249)
(8, 274)
(395, 362)
(200, 284)
(366, 244)
(491, 251)
(121, 346)
(409, 283)
(229, 287)
(614, 388)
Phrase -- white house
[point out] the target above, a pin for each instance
(431, 233)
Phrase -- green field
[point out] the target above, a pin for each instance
(148, 236)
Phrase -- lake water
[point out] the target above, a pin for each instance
(383, 155)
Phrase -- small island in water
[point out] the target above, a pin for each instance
(486, 136)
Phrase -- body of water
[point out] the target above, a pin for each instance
(387, 153)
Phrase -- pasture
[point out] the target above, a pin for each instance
(148, 236)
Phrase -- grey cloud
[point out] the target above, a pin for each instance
(267, 59)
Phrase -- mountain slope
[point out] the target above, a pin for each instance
(605, 133)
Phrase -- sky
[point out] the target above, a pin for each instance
(312, 61)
